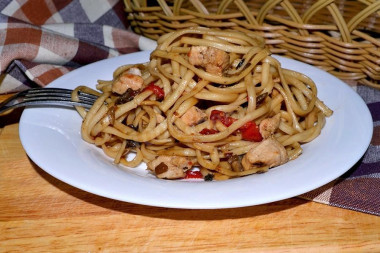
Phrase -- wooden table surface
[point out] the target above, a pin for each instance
(39, 213)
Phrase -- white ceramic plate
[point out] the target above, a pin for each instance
(51, 138)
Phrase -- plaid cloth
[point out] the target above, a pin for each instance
(41, 40)
(359, 188)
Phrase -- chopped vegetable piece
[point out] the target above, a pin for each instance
(250, 132)
(240, 63)
(209, 177)
(227, 156)
(127, 96)
(260, 98)
(193, 174)
(222, 117)
(158, 91)
(207, 131)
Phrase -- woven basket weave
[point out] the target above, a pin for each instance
(339, 36)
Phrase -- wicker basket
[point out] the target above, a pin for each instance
(339, 36)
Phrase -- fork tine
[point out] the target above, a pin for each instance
(58, 92)
(56, 101)
(47, 96)
(57, 98)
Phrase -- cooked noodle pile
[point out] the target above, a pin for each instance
(209, 103)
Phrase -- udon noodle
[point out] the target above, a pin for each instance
(210, 101)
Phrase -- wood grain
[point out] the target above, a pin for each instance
(39, 213)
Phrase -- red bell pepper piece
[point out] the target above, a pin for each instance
(222, 117)
(250, 132)
(158, 91)
(193, 174)
(207, 131)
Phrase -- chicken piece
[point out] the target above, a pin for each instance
(193, 116)
(130, 79)
(212, 59)
(268, 126)
(269, 152)
(134, 71)
(170, 167)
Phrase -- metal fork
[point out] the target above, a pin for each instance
(47, 96)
